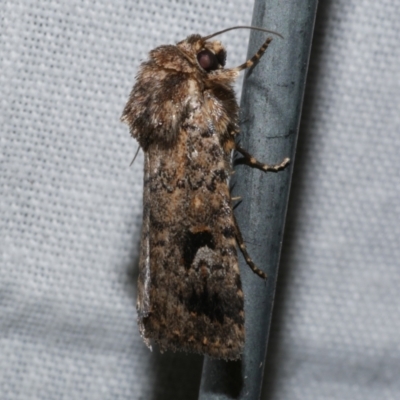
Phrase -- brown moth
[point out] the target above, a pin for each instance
(184, 114)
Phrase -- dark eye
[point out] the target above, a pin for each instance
(208, 60)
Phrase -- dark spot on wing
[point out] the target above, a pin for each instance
(193, 242)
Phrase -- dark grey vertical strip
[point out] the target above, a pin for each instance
(270, 116)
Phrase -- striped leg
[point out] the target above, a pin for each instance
(249, 159)
(256, 56)
(243, 249)
(239, 238)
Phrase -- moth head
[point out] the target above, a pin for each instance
(208, 55)
(212, 56)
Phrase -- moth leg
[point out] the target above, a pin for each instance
(243, 249)
(256, 57)
(134, 158)
(257, 164)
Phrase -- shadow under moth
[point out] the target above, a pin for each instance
(183, 112)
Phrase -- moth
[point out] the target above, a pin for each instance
(183, 112)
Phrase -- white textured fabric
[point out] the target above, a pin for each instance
(70, 207)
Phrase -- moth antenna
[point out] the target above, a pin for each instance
(134, 158)
(255, 28)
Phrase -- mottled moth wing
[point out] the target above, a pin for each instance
(190, 278)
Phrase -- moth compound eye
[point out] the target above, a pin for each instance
(207, 60)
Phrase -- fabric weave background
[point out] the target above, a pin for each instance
(70, 207)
